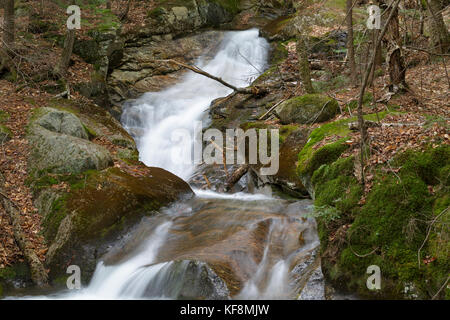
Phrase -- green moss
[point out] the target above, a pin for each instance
(390, 227)
(336, 186)
(156, 13)
(91, 133)
(339, 128)
(52, 220)
(231, 6)
(327, 154)
(3, 116)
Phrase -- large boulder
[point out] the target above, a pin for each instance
(62, 122)
(187, 280)
(287, 177)
(141, 69)
(307, 109)
(60, 144)
(100, 208)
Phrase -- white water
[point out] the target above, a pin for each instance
(241, 57)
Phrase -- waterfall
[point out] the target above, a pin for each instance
(242, 56)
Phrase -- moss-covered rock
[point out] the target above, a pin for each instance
(388, 230)
(101, 206)
(307, 109)
(59, 149)
(14, 277)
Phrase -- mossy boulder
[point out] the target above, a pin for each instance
(60, 144)
(307, 109)
(62, 122)
(14, 278)
(100, 208)
(389, 229)
(287, 177)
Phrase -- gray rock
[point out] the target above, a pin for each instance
(307, 109)
(58, 152)
(315, 287)
(188, 280)
(62, 122)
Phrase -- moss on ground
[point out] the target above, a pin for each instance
(390, 227)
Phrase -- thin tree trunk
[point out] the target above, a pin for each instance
(8, 23)
(303, 64)
(362, 127)
(350, 46)
(439, 35)
(67, 52)
(124, 14)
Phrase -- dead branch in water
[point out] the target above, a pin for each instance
(253, 91)
(236, 176)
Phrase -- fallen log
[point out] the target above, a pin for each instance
(236, 176)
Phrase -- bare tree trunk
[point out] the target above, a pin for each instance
(124, 14)
(439, 35)
(108, 4)
(303, 64)
(362, 126)
(8, 23)
(350, 46)
(396, 61)
(67, 52)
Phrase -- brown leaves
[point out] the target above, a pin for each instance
(13, 166)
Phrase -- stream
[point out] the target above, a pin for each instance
(214, 246)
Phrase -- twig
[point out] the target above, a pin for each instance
(428, 233)
(271, 109)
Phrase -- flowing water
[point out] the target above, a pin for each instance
(244, 246)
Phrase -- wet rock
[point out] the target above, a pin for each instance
(187, 280)
(307, 109)
(287, 176)
(315, 287)
(83, 223)
(141, 69)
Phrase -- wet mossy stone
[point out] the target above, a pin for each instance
(307, 109)
(60, 144)
(287, 176)
(106, 206)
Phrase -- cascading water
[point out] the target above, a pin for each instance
(241, 58)
(256, 234)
